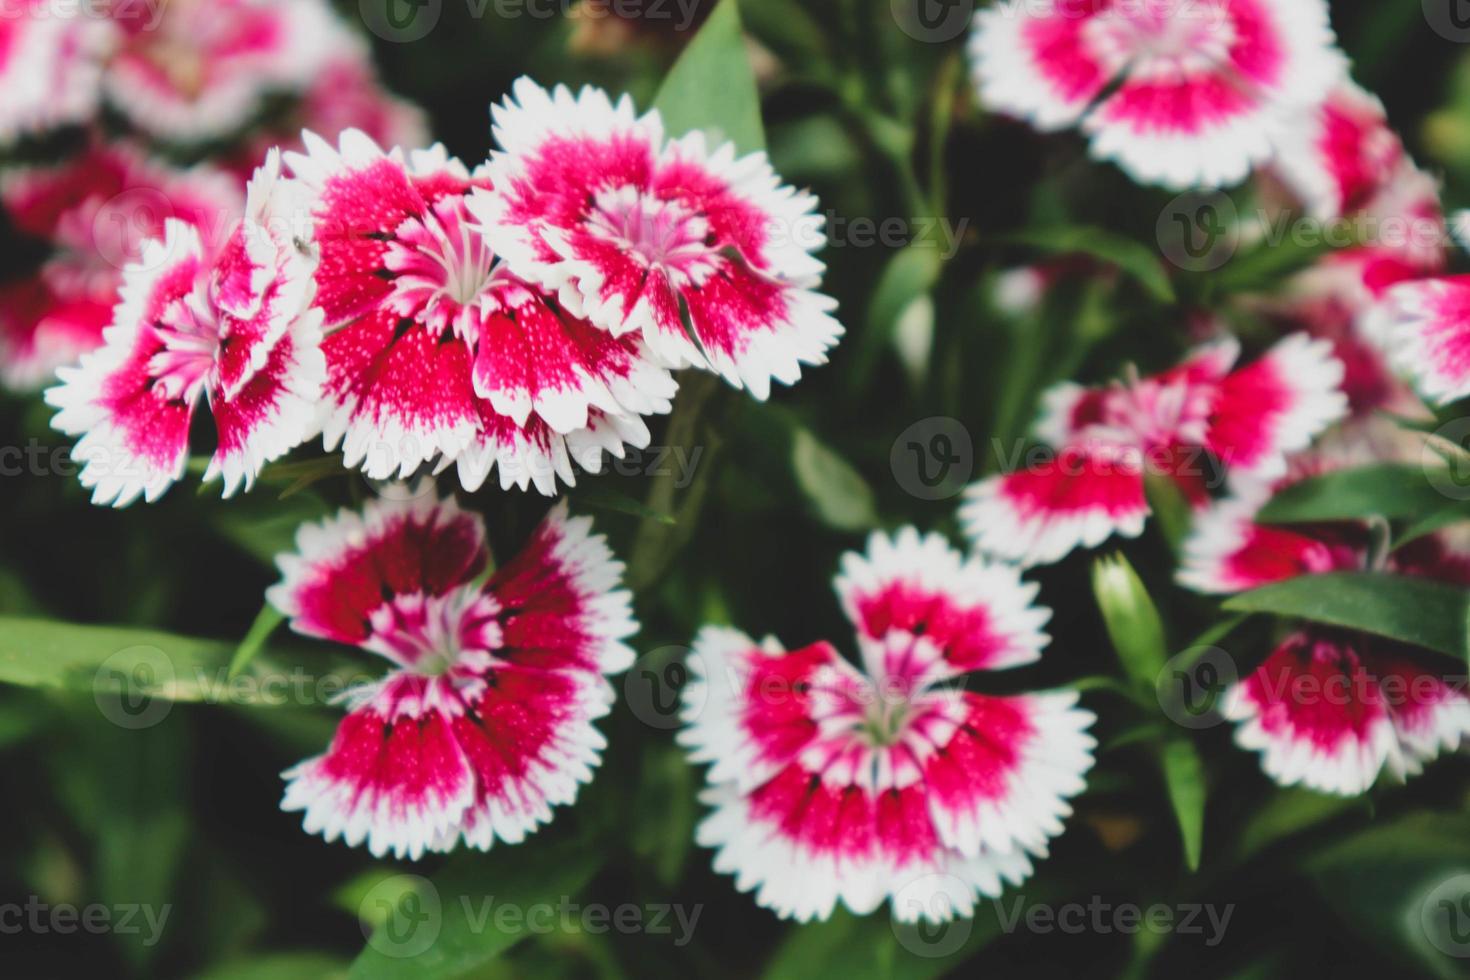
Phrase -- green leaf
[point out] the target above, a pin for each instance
(139, 665)
(265, 624)
(1133, 257)
(1390, 490)
(712, 87)
(280, 966)
(473, 910)
(1392, 883)
(837, 492)
(1413, 610)
(1184, 777)
(1288, 812)
(1170, 508)
(601, 498)
(1132, 620)
(1269, 263)
(908, 276)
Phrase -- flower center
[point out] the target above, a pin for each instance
(1162, 38)
(661, 233)
(442, 267)
(190, 333)
(432, 634)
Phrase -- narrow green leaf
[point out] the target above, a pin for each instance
(1132, 620)
(1457, 513)
(1413, 610)
(1170, 507)
(1133, 257)
(139, 665)
(280, 966)
(837, 492)
(1184, 777)
(1391, 490)
(265, 624)
(473, 910)
(601, 498)
(712, 87)
(908, 276)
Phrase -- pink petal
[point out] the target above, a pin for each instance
(530, 741)
(979, 615)
(1038, 515)
(134, 428)
(1000, 783)
(348, 566)
(564, 608)
(393, 778)
(1315, 714)
(1429, 339)
(1228, 552)
(1276, 406)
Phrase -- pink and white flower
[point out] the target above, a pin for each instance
(436, 351)
(1331, 709)
(1182, 424)
(832, 784)
(50, 67)
(637, 232)
(205, 69)
(1344, 163)
(1177, 92)
(485, 720)
(343, 93)
(233, 327)
(93, 212)
(1428, 337)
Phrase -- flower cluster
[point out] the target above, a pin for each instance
(520, 316)
(527, 315)
(217, 84)
(1332, 708)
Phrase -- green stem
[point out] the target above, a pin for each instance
(657, 542)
